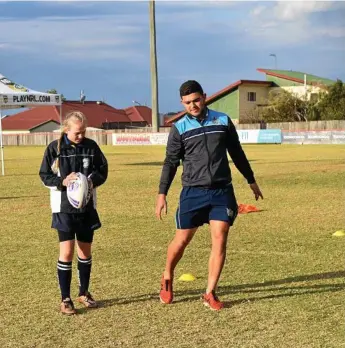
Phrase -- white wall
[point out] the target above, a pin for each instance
(15, 131)
(300, 91)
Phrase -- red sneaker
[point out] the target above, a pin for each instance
(166, 293)
(211, 300)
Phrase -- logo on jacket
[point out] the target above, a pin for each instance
(215, 121)
(86, 162)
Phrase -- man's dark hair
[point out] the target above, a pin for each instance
(189, 87)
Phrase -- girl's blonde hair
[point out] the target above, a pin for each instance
(70, 117)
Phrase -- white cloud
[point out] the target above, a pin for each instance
(275, 24)
(197, 3)
(334, 32)
(290, 22)
(295, 10)
(272, 24)
(276, 34)
(256, 11)
(79, 38)
(121, 37)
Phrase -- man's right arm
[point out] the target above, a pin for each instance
(174, 154)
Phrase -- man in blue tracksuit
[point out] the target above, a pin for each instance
(201, 140)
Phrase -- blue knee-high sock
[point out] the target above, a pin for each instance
(64, 270)
(84, 271)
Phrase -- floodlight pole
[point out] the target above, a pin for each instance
(2, 147)
(153, 61)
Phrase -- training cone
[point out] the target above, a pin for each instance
(339, 233)
(187, 277)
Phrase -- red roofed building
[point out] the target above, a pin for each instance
(137, 117)
(140, 114)
(99, 115)
(45, 117)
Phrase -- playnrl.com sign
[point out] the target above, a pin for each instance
(30, 98)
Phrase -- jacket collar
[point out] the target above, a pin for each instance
(206, 113)
(66, 143)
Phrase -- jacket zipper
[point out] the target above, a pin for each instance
(208, 156)
(74, 147)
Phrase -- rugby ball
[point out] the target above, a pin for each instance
(79, 191)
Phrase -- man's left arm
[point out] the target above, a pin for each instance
(240, 159)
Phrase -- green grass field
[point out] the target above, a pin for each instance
(283, 281)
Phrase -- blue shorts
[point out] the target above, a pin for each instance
(82, 236)
(198, 206)
(76, 222)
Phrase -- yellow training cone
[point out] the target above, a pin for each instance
(339, 233)
(187, 277)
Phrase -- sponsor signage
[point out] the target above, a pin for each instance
(314, 137)
(262, 136)
(140, 138)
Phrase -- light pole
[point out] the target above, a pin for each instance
(153, 61)
(275, 59)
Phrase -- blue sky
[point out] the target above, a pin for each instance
(103, 47)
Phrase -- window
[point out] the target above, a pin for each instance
(252, 96)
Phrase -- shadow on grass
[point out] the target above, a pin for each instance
(145, 164)
(158, 163)
(85, 310)
(301, 290)
(18, 197)
(114, 154)
(336, 161)
(22, 174)
(257, 288)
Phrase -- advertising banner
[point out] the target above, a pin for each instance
(338, 137)
(269, 136)
(140, 138)
(252, 136)
(314, 137)
(260, 136)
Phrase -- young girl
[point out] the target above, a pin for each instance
(63, 158)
